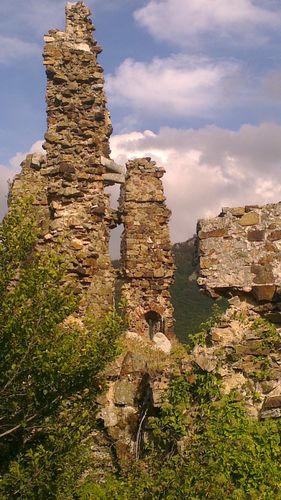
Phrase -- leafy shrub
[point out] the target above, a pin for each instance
(203, 447)
(49, 368)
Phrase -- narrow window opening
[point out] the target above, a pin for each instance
(115, 241)
(155, 323)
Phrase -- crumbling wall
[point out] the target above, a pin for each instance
(240, 258)
(244, 351)
(146, 256)
(67, 187)
(240, 251)
(78, 134)
(30, 183)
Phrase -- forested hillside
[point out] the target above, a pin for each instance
(192, 307)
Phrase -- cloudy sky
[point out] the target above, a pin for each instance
(196, 84)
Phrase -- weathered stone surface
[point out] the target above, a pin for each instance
(158, 389)
(228, 336)
(202, 359)
(247, 259)
(249, 219)
(264, 292)
(272, 402)
(215, 233)
(271, 408)
(162, 343)
(256, 235)
(146, 251)
(233, 381)
(125, 392)
(275, 235)
(245, 354)
(78, 134)
(30, 182)
(237, 211)
(133, 363)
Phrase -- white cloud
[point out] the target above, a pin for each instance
(271, 86)
(178, 85)
(14, 48)
(209, 168)
(183, 22)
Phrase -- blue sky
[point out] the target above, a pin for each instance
(196, 84)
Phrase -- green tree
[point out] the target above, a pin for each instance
(49, 368)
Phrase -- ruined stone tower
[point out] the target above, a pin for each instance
(147, 262)
(68, 186)
(77, 139)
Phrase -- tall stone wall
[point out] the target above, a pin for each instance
(77, 138)
(146, 257)
(240, 251)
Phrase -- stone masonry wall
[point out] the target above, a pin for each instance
(240, 257)
(240, 252)
(78, 134)
(30, 183)
(147, 262)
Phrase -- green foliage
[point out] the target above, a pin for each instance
(18, 233)
(221, 451)
(267, 331)
(201, 337)
(49, 368)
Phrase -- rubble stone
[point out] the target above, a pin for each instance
(162, 343)
(246, 356)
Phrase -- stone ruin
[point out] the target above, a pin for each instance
(239, 254)
(68, 188)
(147, 262)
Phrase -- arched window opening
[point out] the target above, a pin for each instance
(155, 323)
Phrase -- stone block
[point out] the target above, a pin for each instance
(265, 292)
(125, 392)
(201, 358)
(249, 219)
(262, 274)
(272, 403)
(162, 343)
(274, 235)
(214, 233)
(256, 235)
